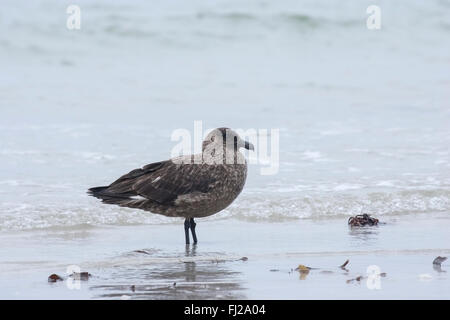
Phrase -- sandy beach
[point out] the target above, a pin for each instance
(151, 262)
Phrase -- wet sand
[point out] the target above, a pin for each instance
(152, 262)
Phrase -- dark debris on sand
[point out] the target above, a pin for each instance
(362, 220)
(344, 264)
(84, 276)
(54, 278)
(81, 275)
(439, 260)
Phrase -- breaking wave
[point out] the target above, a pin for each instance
(249, 207)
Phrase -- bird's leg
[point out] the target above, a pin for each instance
(194, 236)
(187, 225)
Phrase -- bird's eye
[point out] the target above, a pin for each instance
(213, 138)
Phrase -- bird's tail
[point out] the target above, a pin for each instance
(121, 199)
(108, 196)
(97, 192)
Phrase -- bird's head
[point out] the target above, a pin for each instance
(226, 137)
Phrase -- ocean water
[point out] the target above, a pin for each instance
(363, 115)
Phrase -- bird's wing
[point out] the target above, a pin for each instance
(164, 181)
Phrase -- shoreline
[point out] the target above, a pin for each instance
(152, 262)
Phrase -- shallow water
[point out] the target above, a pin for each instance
(142, 262)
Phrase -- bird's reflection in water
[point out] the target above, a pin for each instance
(186, 278)
(189, 266)
(191, 251)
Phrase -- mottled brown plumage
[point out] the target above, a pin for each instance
(180, 188)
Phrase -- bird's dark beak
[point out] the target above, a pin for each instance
(249, 146)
